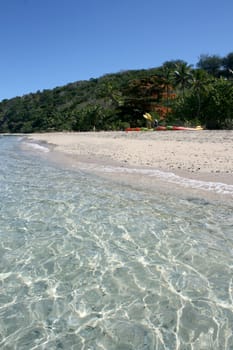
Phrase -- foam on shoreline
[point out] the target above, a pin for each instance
(37, 147)
(217, 187)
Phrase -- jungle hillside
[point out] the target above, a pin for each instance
(175, 93)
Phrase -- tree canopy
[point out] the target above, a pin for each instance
(173, 93)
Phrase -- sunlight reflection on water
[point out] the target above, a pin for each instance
(88, 264)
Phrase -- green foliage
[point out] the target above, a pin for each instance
(227, 63)
(211, 64)
(182, 76)
(218, 105)
(211, 105)
(117, 101)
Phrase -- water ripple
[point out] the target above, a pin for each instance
(85, 265)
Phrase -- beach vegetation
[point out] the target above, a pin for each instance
(210, 64)
(174, 93)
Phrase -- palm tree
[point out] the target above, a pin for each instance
(166, 75)
(183, 76)
(200, 83)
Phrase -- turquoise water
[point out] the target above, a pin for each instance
(86, 263)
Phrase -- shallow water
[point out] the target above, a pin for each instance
(86, 263)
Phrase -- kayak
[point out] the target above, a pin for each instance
(165, 128)
(173, 127)
(133, 129)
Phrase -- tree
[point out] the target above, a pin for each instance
(200, 84)
(173, 64)
(218, 105)
(227, 63)
(183, 76)
(140, 96)
(167, 81)
(211, 64)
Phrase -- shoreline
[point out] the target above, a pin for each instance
(191, 164)
(199, 155)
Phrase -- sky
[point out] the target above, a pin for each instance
(50, 43)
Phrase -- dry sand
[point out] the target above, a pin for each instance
(204, 155)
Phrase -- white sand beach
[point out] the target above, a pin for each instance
(204, 155)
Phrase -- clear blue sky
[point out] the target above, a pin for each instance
(49, 43)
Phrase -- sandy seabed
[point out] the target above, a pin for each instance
(199, 155)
